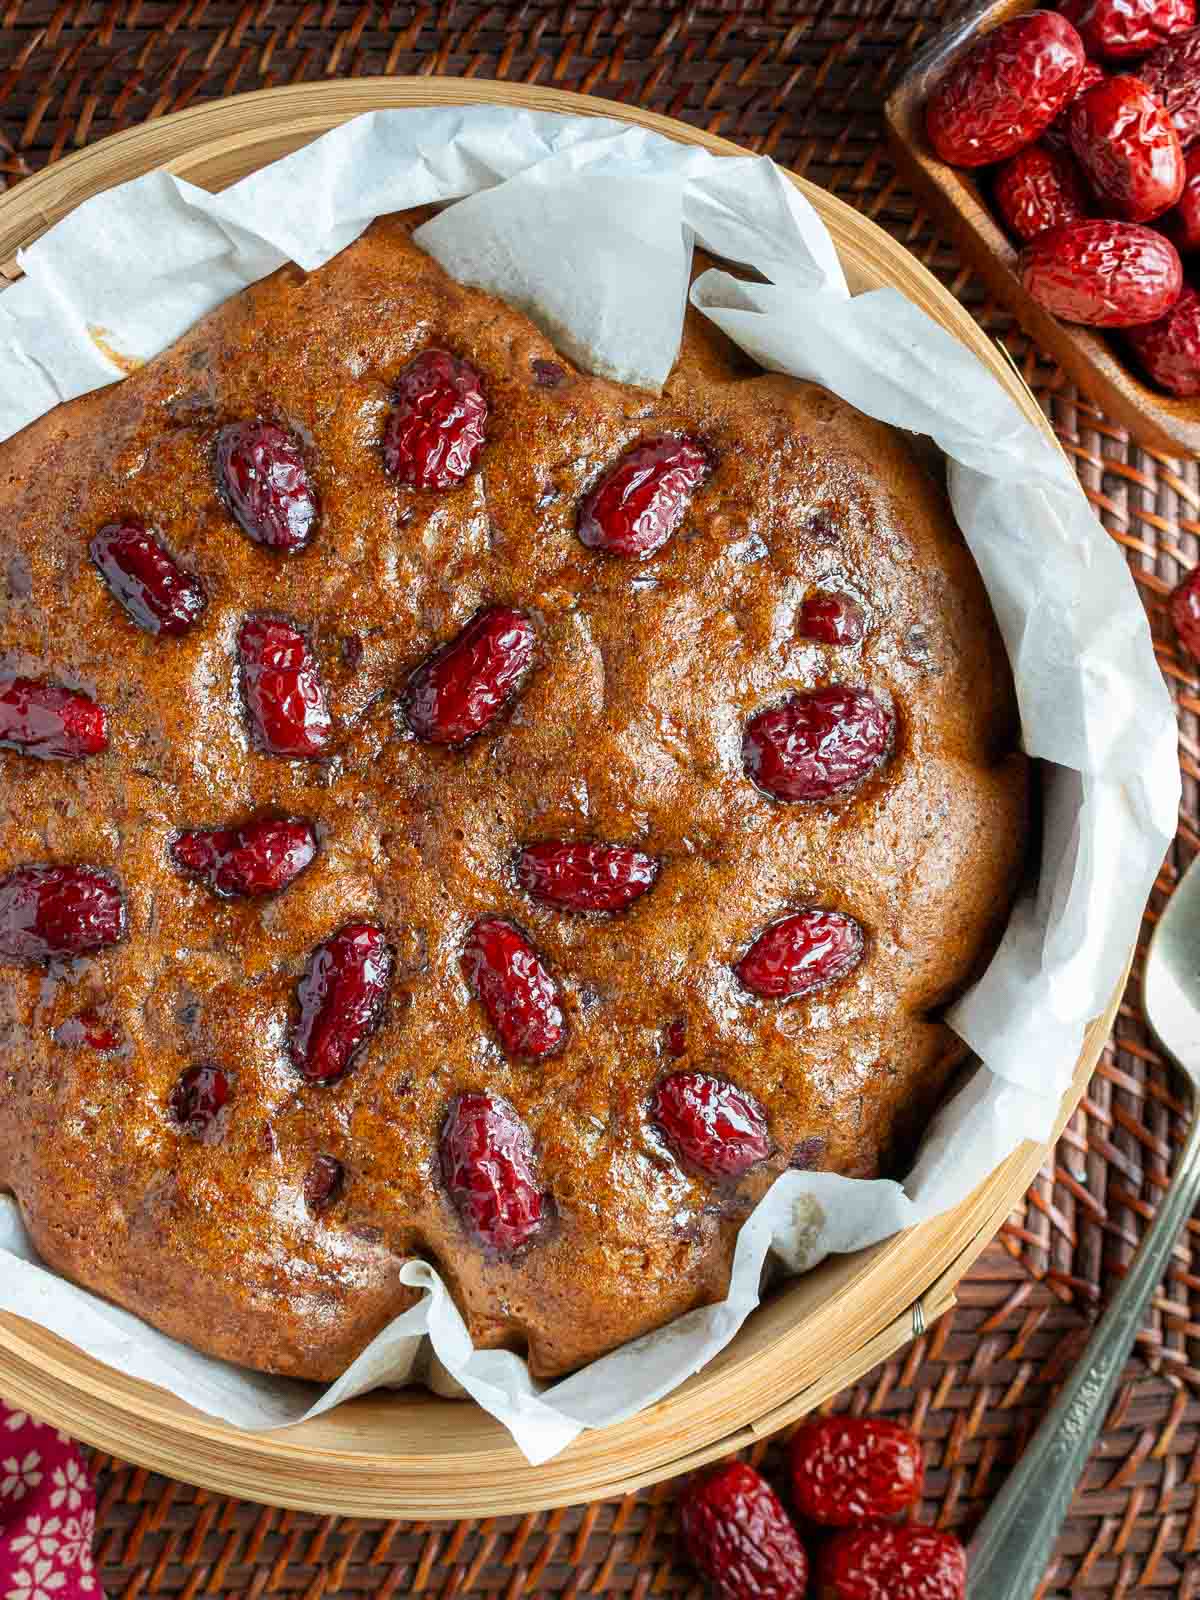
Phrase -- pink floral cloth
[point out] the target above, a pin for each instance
(47, 1514)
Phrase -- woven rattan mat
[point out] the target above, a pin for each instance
(802, 82)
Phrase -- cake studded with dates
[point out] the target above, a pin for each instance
(460, 807)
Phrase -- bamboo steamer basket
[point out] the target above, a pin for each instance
(409, 1453)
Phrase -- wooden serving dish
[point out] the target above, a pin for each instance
(1094, 360)
(409, 1453)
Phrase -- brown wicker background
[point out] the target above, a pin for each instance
(802, 82)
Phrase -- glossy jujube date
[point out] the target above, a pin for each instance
(260, 857)
(884, 1563)
(1101, 273)
(736, 1531)
(265, 482)
(487, 1163)
(800, 953)
(1056, 136)
(1122, 28)
(323, 1184)
(197, 1099)
(438, 422)
(47, 913)
(1002, 92)
(1040, 188)
(463, 687)
(514, 987)
(341, 998)
(1128, 149)
(851, 1470)
(1169, 349)
(50, 722)
(143, 575)
(1173, 74)
(640, 502)
(585, 877)
(282, 686)
(710, 1124)
(817, 744)
(831, 618)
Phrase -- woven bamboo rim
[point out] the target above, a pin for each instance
(411, 1454)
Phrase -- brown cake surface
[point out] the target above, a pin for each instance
(627, 728)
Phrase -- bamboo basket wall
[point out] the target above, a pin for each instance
(410, 1454)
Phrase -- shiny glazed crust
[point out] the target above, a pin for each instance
(627, 730)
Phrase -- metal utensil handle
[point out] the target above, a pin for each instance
(1011, 1551)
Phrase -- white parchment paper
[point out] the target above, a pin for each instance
(588, 225)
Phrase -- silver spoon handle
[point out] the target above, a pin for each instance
(1011, 1551)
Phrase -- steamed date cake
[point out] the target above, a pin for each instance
(457, 806)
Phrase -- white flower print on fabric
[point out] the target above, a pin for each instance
(47, 1514)
(14, 1421)
(17, 1477)
(42, 1537)
(70, 1486)
(42, 1582)
(85, 1578)
(76, 1543)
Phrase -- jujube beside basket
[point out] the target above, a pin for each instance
(1094, 359)
(409, 1453)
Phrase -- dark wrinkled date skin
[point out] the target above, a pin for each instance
(801, 953)
(199, 1096)
(324, 1184)
(461, 689)
(1039, 188)
(438, 423)
(515, 988)
(1127, 147)
(281, 683)
(1123, 28)
(50, 722)
(1005, 90)
(850, 1470)
(341, 999)
(736, 1531)
(51, 913)
(585, 877)
(487, 1166)
(1169, 349)
(905, 1563)
(1056, 135)
(1173, 73)
(640, 502)
(260, 857)
(710, 1124)
(265, 482)
(1105, 274)
(819, 744)
(146, 579)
